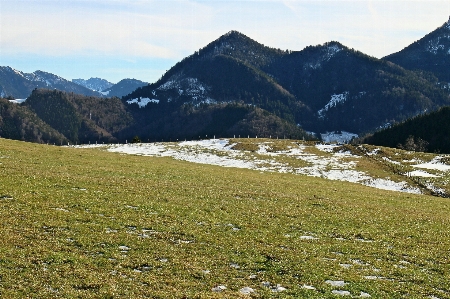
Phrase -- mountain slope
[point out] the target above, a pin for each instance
(431, 53)
(348, 90)
(122, 88)
(19, 85)
(424, 133)
(96, 84)
(323, 88)
(79, 118)
(18, 122)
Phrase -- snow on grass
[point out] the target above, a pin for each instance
(342, 137)
(421, 173)
(435, 164)
(332, 165)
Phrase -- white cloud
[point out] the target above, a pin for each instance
(170, 30)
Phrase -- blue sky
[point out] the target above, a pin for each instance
(117, 39)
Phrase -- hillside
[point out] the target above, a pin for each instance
(429, 132)
(322, 88)
(122, 88)
(19, 123)
(90, 223)
(431, 53)
(80, 119)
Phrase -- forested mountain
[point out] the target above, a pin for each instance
(20, 123)
(322, 88)
(96, 84)
(123, 87)
(19, 85)
(431, 53)
(79, 118)
(53, 116)
(429, 132)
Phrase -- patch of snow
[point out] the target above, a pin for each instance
(336, 283)
(341, 293)
(18, 101)
(308, 238)
(219, 288)
(142, 102)
(335, 99)
(421, 173)
(434, 45)
(364, 295)
(308, 287)
(278, 288)
(435, 164)
(343, 137)
(246, 291)
(105, 93)
(385, 184)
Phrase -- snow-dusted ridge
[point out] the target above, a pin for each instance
(335, 99)
(331, 165)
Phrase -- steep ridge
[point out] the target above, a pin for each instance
(431, 53)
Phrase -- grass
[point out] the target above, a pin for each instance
(85, 223)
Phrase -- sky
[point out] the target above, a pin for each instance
(142, 39)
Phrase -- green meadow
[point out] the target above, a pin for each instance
(87, 223)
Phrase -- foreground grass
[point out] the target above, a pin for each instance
(90, 224)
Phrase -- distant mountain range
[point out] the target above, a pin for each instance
(19, 85)
(237, 86)
(96, 84)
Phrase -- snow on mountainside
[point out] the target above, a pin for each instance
(431, 53)
(96, 84)
(20, 85)
(142, 102)
(327, 52)
(335, 99)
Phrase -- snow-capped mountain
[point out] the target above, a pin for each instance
(431, 53)
(19, 85)
(96, 84)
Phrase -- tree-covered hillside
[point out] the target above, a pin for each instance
(18, 122)
(428, 132)
(431, 53)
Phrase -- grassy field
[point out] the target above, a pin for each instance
(86, 223)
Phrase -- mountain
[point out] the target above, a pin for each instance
(427, 132)
(431, 53)
(322, 88)
(123, 87)
(96, 84)
(79, 118)
(19, 85)
(18, 122)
